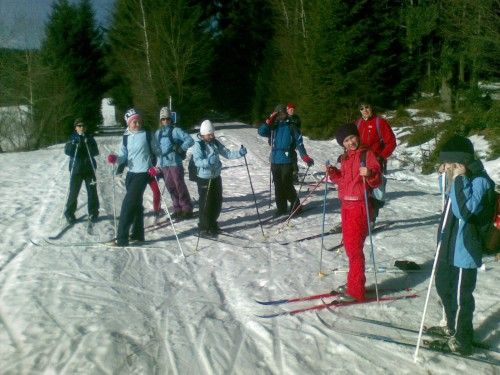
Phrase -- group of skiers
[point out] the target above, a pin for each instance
(367, 143)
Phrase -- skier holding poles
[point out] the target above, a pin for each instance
(81, 148)
(470, 204)
(351, 182)
(284, 138)
(206, 157)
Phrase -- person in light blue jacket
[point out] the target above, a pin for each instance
(468, 213)
(206, 157)
(137, 151)
(173, 143)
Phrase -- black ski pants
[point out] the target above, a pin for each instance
(132, 211)
(284, 190)
(455, 287)
(75, 185)
(210, 193)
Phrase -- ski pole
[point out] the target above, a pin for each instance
(372, 253)
(271, 170)
(254, 197)
(113, 171)
(203, 213)
(172, 223)
(443, 190)
(415, 356)
(70, 178)
(327, 163)
(302, 182)
(307, 197)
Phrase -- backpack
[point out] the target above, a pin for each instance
(192, 168)
(492, 235)
(122, 166)
(176, 146)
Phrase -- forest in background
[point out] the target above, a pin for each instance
(236, 59)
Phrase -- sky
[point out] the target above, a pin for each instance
(22, 22)
(75, 306)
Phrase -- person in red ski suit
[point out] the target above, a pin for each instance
(376, 134)
(358, 165)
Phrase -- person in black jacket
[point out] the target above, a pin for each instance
(81, 148)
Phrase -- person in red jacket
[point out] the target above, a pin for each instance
(376, 133)
(359, 171)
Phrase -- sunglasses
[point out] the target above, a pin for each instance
(80, 125)
(364, 107)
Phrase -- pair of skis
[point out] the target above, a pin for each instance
(332, 304)
(434, 343)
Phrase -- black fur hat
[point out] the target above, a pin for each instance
(344, 131)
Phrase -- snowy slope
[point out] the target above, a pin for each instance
(94, 310)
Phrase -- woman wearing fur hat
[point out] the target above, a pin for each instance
(467, 214)
(174, 142)
(206, 157)
(359, 171)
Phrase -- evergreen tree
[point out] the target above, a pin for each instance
(243, 31)
(158, 49)
(72, 71)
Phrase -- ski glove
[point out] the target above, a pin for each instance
(243, 150)
(112, 158)
(270, 119)
(75, 139)
(212, 159)
(308, 160)
(152, 171)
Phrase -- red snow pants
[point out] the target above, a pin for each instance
(354, 232)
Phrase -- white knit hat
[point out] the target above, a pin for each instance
(207, 127)
(165, 113)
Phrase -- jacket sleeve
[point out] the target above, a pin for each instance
(227, 153)
(94, 150)
(466, 196)
(389, 138)
(186, 139)
(334, 174)
(122, 154)
(69, 149)
(299, 142)
(264, 130)
(200, 160)
(373, 165)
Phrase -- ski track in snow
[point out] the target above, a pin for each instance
(99, 310)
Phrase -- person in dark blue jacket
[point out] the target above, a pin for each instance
(284, 138)
(468, 211)
(81, 149)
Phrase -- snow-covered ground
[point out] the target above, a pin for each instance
(96, 310)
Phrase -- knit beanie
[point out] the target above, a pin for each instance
(131, 115)
(280, 108)
(457, 149)
(207, 127)
(165, 113)
(344, 131)
(290, 105)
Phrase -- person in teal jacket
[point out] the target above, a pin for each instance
(284, 138)
(467, 213)
(206, 157)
